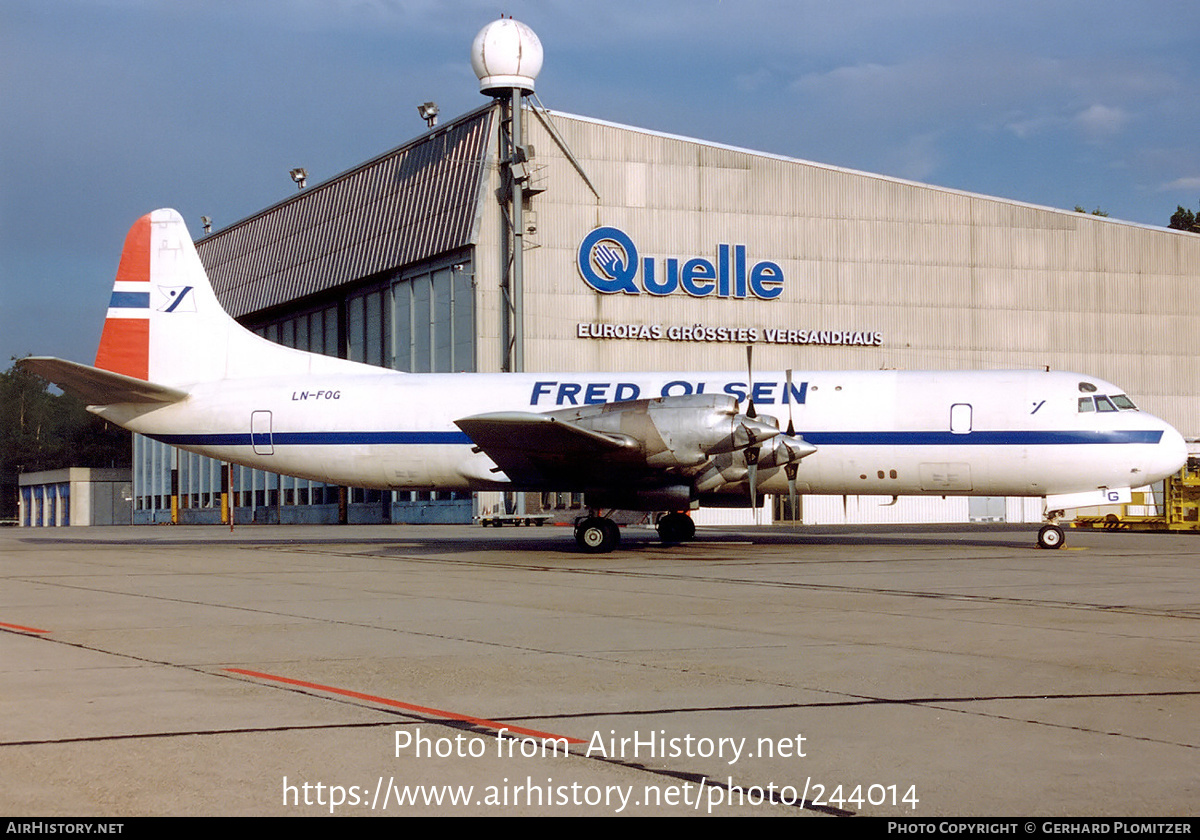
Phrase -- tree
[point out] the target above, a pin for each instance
(1096, 212)
(1185, 219)
(44, 431)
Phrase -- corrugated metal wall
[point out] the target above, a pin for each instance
(414, 202)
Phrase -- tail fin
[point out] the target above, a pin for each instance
(165, 325)
(125, 341)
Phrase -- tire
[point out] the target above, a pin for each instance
(597, 535)
(1051, 536)
(676, 528)
(614, 533)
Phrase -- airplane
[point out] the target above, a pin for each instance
(174, 366)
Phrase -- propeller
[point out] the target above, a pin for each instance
(753, 432)
(787, 452)
(791, 448)
(751, 451)
(791, 467)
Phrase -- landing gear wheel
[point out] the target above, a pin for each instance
(676, 528)
(1051, 536)
(597, 535)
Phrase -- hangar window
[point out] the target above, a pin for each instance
(423, 321)
(368, 335)
(434, 324)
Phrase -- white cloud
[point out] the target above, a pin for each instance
(1181, 184)
(759, 79)
(1101, 121)
(1029, 127)
(917, 159)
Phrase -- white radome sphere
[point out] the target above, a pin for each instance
(506, 54)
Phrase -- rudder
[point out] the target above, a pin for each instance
(125, 341)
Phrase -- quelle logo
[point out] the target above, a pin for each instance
(609, 263)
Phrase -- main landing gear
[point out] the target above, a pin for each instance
(675, 527)
(597, 534)
(1051, 535)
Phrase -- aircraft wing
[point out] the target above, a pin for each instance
(99, 387)
(540, 450)
(678, 446)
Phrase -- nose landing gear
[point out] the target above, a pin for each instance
(1051, 535)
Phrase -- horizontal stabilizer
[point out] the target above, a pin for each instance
(99, 387)
(536, 448)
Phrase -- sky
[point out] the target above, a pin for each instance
(112, 108)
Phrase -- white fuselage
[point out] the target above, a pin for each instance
(1015, 433)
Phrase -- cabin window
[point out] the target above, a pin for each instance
(960, 418)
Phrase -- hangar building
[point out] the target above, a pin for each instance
(407, 261)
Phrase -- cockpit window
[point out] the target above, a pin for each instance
(1087, 387)
(1102, 402)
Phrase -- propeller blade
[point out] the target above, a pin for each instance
(790, 470)
(750, 412)
(789, 394)
(752, 470)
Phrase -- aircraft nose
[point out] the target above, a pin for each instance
(1169, 455)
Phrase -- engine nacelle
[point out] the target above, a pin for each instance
(784, 449)
(675, 432)
(733, 467)
(670, 450)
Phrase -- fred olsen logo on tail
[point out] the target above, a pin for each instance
(176, 299)
(608, 262)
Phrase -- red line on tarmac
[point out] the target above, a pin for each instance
(425, 710)
(21, 629)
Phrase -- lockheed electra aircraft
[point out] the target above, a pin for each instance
(172, 365)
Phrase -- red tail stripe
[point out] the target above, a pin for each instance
(125, 342)
(135, 257)
(125, 347)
